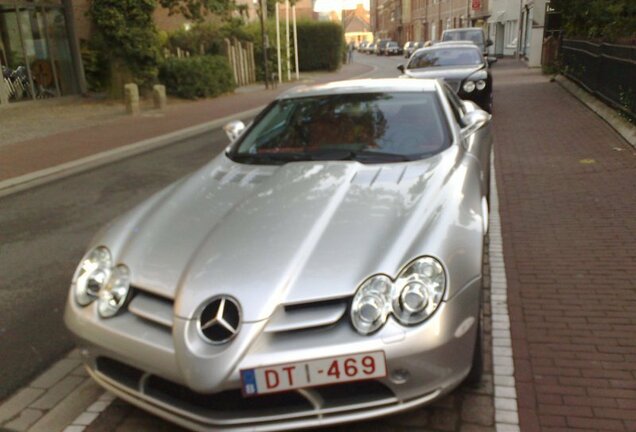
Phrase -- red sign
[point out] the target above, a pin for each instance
(476, 4)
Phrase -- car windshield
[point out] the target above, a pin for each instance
(455, 56)
(367, 127)
(475, 36)
(393, 44)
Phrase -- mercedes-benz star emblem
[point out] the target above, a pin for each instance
(219, 320)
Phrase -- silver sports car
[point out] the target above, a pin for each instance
(325, 268)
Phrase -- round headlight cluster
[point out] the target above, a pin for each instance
(372, 304)
(470, 86)
(412, 297)
(97, 279)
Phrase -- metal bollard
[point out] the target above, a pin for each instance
(131, 94)
(159, 96)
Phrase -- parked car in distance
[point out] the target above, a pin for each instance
(392, 48)
(406, 47)
(380, 46)
(370, 49)
(325, 268)
(475, 35)
(413, 46)
(461, 65)
(361, 47)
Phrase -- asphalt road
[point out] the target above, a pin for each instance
(43, 233)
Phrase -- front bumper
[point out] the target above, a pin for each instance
(482, 98)
(158, 377)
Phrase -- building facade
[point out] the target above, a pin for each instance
(423, 20)
(356, 24)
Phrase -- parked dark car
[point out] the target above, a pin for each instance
(392, 48)
(379, 47)
(475, 35)
(462, 66)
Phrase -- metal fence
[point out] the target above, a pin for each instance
(606, 70)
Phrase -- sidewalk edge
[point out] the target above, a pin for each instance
(37, 178)
(611, 117)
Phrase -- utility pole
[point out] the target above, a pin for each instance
(519, 29)
(263, 10)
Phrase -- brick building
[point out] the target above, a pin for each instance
(423, 20)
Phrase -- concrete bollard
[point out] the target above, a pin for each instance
(159, 96)
(131, 94)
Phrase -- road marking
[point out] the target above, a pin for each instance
(506, 411)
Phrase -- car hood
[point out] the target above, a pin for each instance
(449, 73)
(290, 234)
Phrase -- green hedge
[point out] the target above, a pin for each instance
(197, 77)
(320, 45)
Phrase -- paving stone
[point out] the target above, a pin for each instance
(86, 418)
(58, 392)
(99, 406)
(64, 413)
(74, 428)
(80, 371)
(410, 419)
(478, 409)
(18, 402)
(55, 373)
(26, 418)
(444, 419)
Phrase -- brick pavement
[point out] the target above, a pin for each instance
(566, 186)
(35, 154)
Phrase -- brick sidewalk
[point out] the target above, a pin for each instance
(24, 157)
(568, 207)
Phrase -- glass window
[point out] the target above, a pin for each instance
(369, 127)
(14, 64)
(440, 57)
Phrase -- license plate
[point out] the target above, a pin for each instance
(311, 373)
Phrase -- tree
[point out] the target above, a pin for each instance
(603, 20)
(197, 10)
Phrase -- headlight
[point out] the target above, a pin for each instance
(415, 294)
(92, 274)
(371, 304)
(468, 86)
(481, 84)
(418, 290)
(113, 296)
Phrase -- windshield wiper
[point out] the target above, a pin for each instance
(322, 155)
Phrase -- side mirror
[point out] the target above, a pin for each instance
(401, 68)
(234, 129)
(489, 42)
(474, 121)
(491, 60)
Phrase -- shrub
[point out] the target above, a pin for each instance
(128, 36)
(197, 77)
(320, 45)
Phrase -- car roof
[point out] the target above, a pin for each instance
(450, 45)
(462, 43)
(463, 29)
(362, 86)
